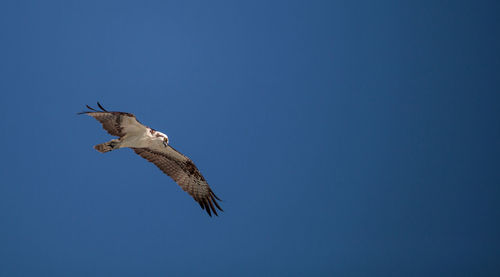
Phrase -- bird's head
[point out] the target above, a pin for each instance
(164, 138)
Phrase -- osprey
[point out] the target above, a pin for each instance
(153, 146)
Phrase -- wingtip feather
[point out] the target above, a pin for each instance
(213, 194)
(101, 107)
(216, 204)
(90, 108)
(207, 208)
(212, 206)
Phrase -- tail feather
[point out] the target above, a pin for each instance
(103, 147)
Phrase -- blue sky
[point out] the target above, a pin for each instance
(347, 138)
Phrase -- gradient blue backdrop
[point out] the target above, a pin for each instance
(346, 138)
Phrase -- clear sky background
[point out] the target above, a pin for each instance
(346, 138)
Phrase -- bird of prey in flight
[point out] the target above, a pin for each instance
(154, 147)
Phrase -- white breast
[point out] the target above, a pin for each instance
(141, 140)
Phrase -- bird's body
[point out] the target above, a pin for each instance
(153, 146)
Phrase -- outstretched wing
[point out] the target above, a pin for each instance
(184, 173)
(116, 123)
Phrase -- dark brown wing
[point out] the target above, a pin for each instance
(116, 123)
(184, 173)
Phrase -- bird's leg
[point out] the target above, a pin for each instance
(113, 143)
(108, 146)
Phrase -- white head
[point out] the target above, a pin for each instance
(163, 137)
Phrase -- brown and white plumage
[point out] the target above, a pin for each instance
(153, 146)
